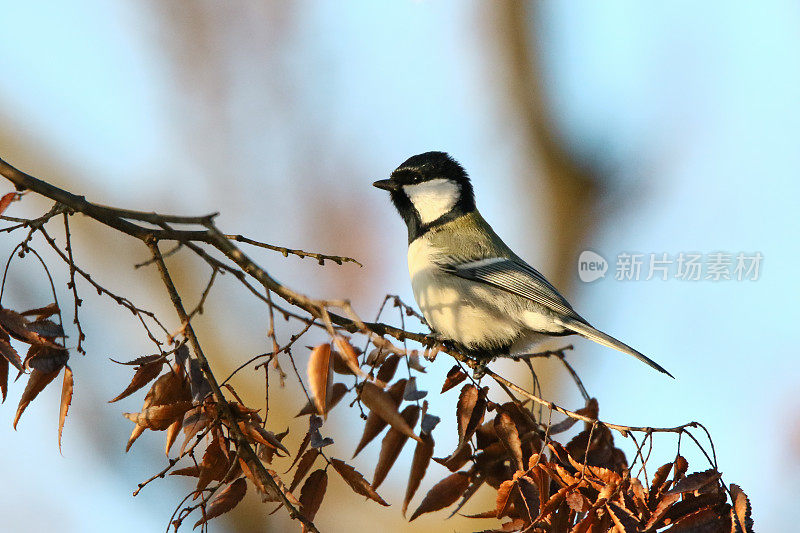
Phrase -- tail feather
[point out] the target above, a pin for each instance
(581, 328)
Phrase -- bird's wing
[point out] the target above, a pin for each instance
(515, 276)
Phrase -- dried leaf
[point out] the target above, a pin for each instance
(695, 481)
(348, 354)
(227, 500)
(393, 444)
(414, 361)
(466, 403)
(172, 434)
(6, 200)
(313, 492)
(387, 369)
(36, 383)
(469, 411)
(503, 500)
(419, 465)
(215, 462)
(457, 459)
(172, 387)
(46, 328)
(335, 395)
(319, 376)
(16, 325)
(702, 521)
(454, 376)
(443, 494)
(303, 466)
(144, 375)
(190, 471)
(66, 400)
(741, 508)
(42, 312)
(4, 377)
(356, 481)
(46, 359)
(661, 509)
(411, 394)
(255, 433)
(381, 403)
(159, 417)
(657, 484)
(375, 424)
(9, 354)
(135, 434)
(509, 435)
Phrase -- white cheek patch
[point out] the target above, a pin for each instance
(433, 198)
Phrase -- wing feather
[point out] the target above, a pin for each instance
(515, 276)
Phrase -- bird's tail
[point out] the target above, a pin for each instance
(581, 328)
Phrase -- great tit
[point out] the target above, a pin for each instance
(473, 290)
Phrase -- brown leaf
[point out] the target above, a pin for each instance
(509, 435)
(36, 383)
(144, 375)
(382, 403)
(313, 492)
(42, 312)
(457, 459)
(191, 471)
(172, 387)
(215, 462)
(17, 326)
(695, 481)
(335, 395)
(503, 500)
(741, 508)
(255, 433)
(577, 501)
(393, 444)
(319, 376)
(375, 424)
(4, 377)
(6, 200)
(387, 369)
(454, 376)
(553, 503)
(419, 465)
(135, 434)
(45, 358)
(159, 417)
(466, 403)
(681, 466)
(661, 509)
(706, 520)
(66, 400)
(356, 481)
(657, 485)
(172, 433)
(227, 500)
(305, 464)
(347, 354)
(8, 353)
(443, 494)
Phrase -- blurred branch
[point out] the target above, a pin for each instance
(573, 188)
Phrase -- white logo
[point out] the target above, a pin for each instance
(591, 266)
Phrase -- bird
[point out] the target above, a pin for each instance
(475, 293)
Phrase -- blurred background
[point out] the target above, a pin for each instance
(621, 127)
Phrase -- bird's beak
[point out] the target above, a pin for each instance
(386, 185)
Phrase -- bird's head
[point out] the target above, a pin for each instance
(428, 189)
